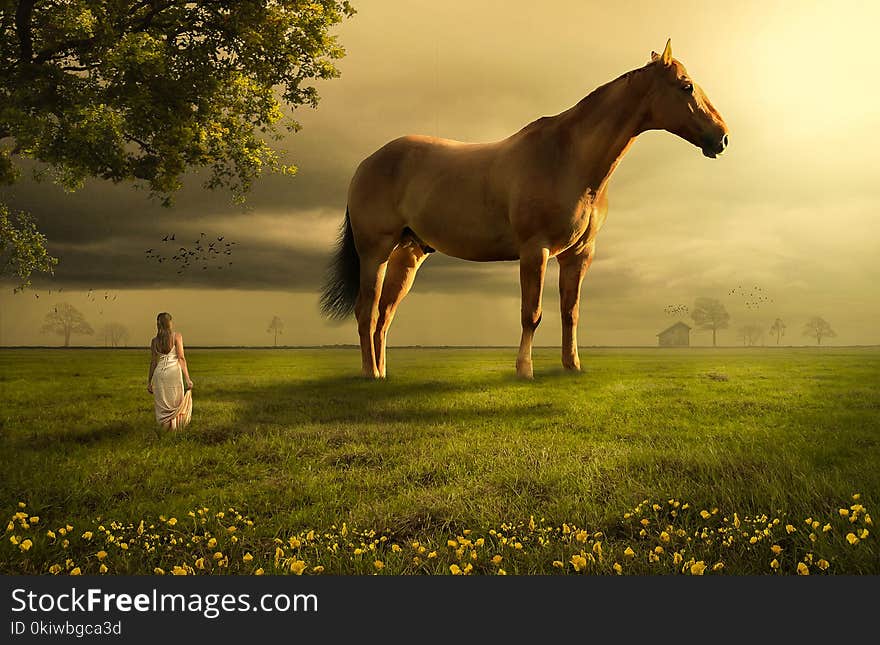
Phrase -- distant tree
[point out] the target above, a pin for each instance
(64, 320)
(778, 329)
(22, 248)
(750, 334)
(114, 334)
(709, 313)
(818, 328)
(277, 326)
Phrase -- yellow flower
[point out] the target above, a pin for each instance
(26, 545)
(581, 536)
(531, 522)
(75, 571)
(566, 530)
(452, 543)
(379, 565)
(432, 554)
(718, 566)
(159, 571)
(579, 562)
(863, 534)
(676, 558)
(178, 570)
(218, 555)
(826, 528)
(844, 512)
(776, 549)
(644, 521)
(617, 568)
(496, 559)
(698, 568)
(502, 572)
(395, 548)
(774, 563)
(629, 552)
(297, 567)
(480, 542)
(14, 539)
(803, 569)
(172, 521)
(87, 535)
(790, 529)
(597, 549)
(55, 569)
(455, 569)
(247, 557)
(857, 496)
(658, 550)
(852, 539)
(664, 536)
(102, 568)
(22, 505)
(212, 543)
(823, 564)
(101, 555)
(558, 564)
(318, 569)
(200, 563)
(705, 514)
(140, 530)
(259, 572)
(736, 522)
(33, 519)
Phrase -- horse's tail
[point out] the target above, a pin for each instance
(343, 278)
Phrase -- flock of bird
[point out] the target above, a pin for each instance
(203, 252)
(672, 310)
(754, 298)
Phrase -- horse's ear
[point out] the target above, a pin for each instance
(667, 53)
(654, 56)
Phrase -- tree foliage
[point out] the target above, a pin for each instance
(710, 314)
(114, 334)
(819, 328)
(64, 320)
(22, 248)
(750, 334)
(276, 326)
(146, 89)
(778, 329)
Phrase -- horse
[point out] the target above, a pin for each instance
(539, 194)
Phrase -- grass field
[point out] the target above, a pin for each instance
(650, 461)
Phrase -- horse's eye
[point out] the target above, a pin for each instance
(688, 87)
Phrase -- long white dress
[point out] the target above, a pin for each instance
(173, 404)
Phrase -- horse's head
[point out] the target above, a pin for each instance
(678, 105)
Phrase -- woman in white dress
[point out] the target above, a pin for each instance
(168, 373)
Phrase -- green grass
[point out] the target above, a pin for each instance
(450, 442)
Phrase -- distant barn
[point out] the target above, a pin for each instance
(679, 335)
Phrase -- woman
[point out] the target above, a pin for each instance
(168, 372)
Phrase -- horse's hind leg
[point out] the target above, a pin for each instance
(572, 268)
(403, 264)
(374, 261)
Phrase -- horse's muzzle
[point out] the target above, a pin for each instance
(712, 146)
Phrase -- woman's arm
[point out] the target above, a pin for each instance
(153, 362)
(181, 358)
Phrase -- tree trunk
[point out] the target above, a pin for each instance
(713, 337)
(67, 336)
(276, 338)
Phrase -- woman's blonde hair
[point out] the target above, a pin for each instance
(164, 335)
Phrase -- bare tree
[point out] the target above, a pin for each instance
(64, 320)
(277, 326)
(818, 328)
(709, 313)
(778, 329)
(750, 334)
(113, 334)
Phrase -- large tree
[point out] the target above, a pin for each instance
(277, 326)
(144, 90)
(64, 320)
(709, 313)
(22, 248)
(750, 334)
(818, 328)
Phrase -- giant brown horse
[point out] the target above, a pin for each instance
(538, 194)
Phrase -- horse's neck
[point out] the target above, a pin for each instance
(602, 127)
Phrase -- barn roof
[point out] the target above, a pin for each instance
(678, 324)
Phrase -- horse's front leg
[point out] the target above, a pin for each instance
(573, 266)
(532, 266)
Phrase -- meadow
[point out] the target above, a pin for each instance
(650, 461)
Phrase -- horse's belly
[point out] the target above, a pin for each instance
(467, 239)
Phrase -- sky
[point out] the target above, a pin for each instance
(791, 207)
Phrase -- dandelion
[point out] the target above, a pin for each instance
(25, 545)
(502, 572)
(200, 563)
(212, 543)
(172, 521)
(581, 536)
(395, 548)
(297, 567)
(597, 549)
(852, 539)
(718, 566)
(455, 569)
(863, 534)
(87, 535)
(14, 539)
(774, 563)
(644, 521)
(698, 568)
(432, 554)
(247, 557)
(55, 569)
(259, 572)
(379, 565)
(33, 519)
(159, 571)
(803, 569)
(218, 555)
(844, 512)
(826, 528)
(101, 555)
(579, 562)
(677, 558)
(76, 571)
(102, 568)
(22, 505)
(558, 564)
(629, 552)
(705, 514)
(823, 564)
(664, 536)
(178, 570)
(790, 529)
(496, 559)
(617, 568)
(776, 549)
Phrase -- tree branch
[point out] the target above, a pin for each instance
(23, 29)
